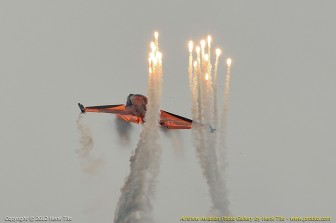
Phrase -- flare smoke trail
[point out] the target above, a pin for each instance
(222, 133)
(190, 69)
(226, 94)
(89, 163)
(215, 90)
(135, 204)
(204, 140)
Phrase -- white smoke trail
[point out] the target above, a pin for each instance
(223, 122)
(135, 204)
(212, 170)
(215, 105)
(190, 66)
(89, 163)
(199, 86)
(226, 94)
(205, 141)
(215, 91)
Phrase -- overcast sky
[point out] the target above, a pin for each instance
(281, 119)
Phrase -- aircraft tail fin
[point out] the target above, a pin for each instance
(81, 107)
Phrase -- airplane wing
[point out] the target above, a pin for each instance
(172, 121)
(119, 110)
(115, 109)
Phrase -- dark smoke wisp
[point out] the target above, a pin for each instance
(89, 163)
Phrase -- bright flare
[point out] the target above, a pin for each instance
(198, 49)
(159, 56)
(206, 76)
(153, 47)
(206, 57)
(202, 44)
(229, 61)
(191, 46)
(151, 56)
(218, 52)
(209, 40)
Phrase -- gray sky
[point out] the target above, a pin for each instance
(281, 128)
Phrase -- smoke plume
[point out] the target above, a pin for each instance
(89, 163)
(205, 120)
(135, 202)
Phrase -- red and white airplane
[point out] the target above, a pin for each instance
(134, 111)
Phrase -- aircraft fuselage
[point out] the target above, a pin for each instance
(136, 105)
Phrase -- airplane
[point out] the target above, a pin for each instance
(211, 129)
(134, 111)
